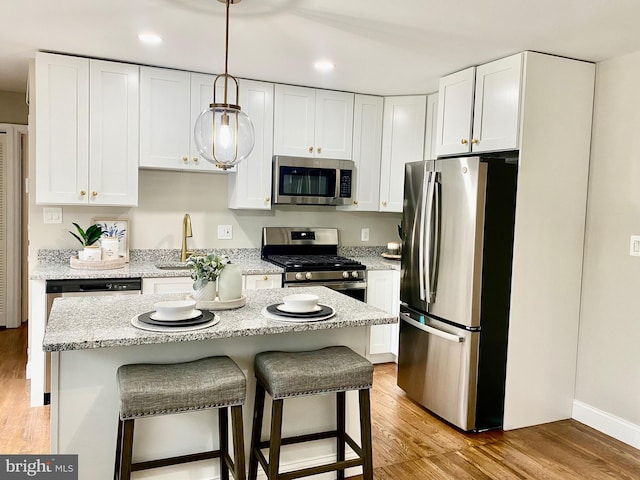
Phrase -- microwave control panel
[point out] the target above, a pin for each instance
(345, 183)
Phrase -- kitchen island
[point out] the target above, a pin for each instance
(90, 337)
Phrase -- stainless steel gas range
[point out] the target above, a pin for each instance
(309, 257)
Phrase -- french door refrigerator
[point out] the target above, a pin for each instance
(457, 228)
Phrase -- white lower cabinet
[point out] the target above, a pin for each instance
(167, 285)
(383, 292)
(256, 282)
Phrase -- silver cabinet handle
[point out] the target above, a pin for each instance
(433, 331)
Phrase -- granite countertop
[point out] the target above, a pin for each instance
(79, 323)
(54, 264)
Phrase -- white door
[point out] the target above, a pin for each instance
(62, 123)
(250, 186)
(497, 105)
(402, 142)
(294, 119)
(113, 133)
(455, 112)
(165, 109)
(333, 125)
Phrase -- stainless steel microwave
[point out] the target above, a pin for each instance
(311, 181)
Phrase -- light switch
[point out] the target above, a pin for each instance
(52, 214)
(634, 246)
(225, 232)
(364, 235)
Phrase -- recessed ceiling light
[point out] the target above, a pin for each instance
(324, 65)
(150, 38)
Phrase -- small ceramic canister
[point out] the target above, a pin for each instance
(230, 283)
(109, 247)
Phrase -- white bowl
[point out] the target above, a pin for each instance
(300, 302)
(174, 309)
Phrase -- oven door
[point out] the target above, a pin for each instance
(357, 290)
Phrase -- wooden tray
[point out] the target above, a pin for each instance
(78, 264)
(391, 256)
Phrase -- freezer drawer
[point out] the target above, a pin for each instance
(437, 367)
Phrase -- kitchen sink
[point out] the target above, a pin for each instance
(171, 266)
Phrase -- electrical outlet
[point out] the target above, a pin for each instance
(225, 232)
(364, 234)
(634, 246)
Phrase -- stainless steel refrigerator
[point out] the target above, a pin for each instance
(457, 229)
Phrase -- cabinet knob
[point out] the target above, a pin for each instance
(83, 193)
(319, 149)
(355, 202)
(310, 149)
(267, 199)
(94, 194)
(185, 159)
(196, 159)
(384, 204)
(475, 141)
(265, 277)
(464, 141)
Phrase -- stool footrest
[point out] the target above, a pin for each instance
(164, 462)
(310, 437)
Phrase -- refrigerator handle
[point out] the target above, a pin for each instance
(427, 242)
(423, 210)
(434, 254)
(433, 331)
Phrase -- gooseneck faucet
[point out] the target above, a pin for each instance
(186, 232)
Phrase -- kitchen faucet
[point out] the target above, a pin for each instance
(186, 232)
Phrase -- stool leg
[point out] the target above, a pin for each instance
(223, 435)
(238, 443)
(365, 434)
(340, 427)
(274, 441)
(116, 468)
(127, 450)
(256, 431)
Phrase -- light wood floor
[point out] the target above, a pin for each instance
(408, 442)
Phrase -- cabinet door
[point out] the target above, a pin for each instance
(333, 125)
(430, 127)
(367, 148)
(250, 186)
(256, 282)
(167, 285)
(294, 118)
(164, 118)
(62, 126)
(455, 112)
(383, 292)
(402, 142)
(497, 105)
(113, 127)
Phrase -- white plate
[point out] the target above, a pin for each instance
(279, 318)
(194, 313)
(283, 307)
(158, 328)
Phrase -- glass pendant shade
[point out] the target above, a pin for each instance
(224, 135)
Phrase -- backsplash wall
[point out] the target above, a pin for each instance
(165, 196)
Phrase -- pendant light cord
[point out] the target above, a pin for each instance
(226, 55)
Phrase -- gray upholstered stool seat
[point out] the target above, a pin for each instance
(292, 374)
(162, 389)
(331, 369)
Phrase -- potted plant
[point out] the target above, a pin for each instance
(204, 271)
(88, 239)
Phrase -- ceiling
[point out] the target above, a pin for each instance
(378, 47)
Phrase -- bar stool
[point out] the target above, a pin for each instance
(295, 374)
(148, 390)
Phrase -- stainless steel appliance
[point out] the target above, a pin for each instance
(458, 221)
(310, 181)
(309, 256)
(80, 287)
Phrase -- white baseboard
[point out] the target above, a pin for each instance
(611, 425)
(28, 371)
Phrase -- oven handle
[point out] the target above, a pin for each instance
(331, 285)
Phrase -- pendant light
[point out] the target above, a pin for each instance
(224, 133)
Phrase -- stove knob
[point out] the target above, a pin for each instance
(345, 274)
(354, 274)
(299, 276)
(308, 276)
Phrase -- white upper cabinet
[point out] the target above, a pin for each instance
(367, 148)
(83, 158)
(402, 142)
(312, 123)
(455, 112)
(479, 108)
(430, 133)
(250, 186)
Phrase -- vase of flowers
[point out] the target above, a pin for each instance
(205, 270)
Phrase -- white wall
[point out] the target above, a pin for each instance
(13, 107)
(608, 376)
(164, 198)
